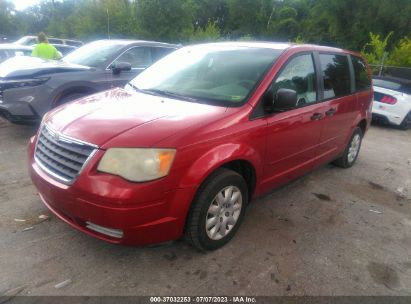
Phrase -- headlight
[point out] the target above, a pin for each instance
(16, 83)
(137, 164)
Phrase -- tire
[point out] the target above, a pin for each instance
(352, 150)
(406, 123)
(210, 206)
(68, 98)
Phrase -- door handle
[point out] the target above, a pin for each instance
(316, 116)
(330, 112)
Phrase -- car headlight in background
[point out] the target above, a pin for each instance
(137, 164)
(16, 83)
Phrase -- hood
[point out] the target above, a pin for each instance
(24, 66)
(99, 118)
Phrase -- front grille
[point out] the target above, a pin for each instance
(61, 156)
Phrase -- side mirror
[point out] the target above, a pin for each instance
(118, 67)
(284, 99)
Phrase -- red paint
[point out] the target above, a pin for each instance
(280, 147)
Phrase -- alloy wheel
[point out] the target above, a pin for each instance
(224, 212)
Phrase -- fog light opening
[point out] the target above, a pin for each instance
(115, 233)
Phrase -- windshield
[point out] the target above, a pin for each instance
(26, 40)
(405, 88)
(93, 54)
(217, 74)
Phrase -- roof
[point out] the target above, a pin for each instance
(252, 44)
(51, 37)
(281, 46)
(402, 81)
(12, 46)
(131, 41)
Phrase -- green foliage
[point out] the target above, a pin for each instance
(246, 38)
(167, 20)
(401, 55)
(299, 40)
(210, 33)
(6, 19)
(375, 49)
(340, 23)
(288, 13)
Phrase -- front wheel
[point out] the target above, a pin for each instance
(217, 210)
(352, 150)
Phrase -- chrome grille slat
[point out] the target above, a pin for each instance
(61, 156)
(67, 155)
(56, 168)
(84, 152)
(58, 159)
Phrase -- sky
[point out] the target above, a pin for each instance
(22, 4)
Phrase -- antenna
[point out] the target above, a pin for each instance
(108, 24)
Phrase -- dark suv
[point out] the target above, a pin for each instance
(29, 87)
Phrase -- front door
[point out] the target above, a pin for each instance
(139, 57)
(293, 135)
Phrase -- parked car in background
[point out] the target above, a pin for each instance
(64, 49)
(392, 101)
(11, 50)
(31, 40)
(29, 87)
(191, 140)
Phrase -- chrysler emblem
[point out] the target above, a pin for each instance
(56, 136)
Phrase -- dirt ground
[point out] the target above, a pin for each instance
(332, 232)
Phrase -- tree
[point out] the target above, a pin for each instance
(376, 49)
(209, 33)
(166, 20)
(401, 55)
(246, 17)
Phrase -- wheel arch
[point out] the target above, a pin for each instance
(242, 159)
(363, 125)
(68, 89)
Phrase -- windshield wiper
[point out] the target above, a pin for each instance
(134, 87)
(169, 94)
(158, 92)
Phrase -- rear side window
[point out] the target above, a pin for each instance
(362, 79)
(336, 75)
(55, 41)
(160, 52)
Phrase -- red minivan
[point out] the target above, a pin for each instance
(187, 144)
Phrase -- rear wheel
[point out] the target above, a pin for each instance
(217, 210)
(352, 150)
(406, 123)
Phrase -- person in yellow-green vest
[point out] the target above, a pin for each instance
(44, 49)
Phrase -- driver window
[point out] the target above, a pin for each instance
(138, 57)
(298, 75)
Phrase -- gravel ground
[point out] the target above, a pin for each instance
(331, 232)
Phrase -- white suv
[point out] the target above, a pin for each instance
(392, 101)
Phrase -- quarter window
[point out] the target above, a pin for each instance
(138, 57)
(336, 75)
(362, 78)
(298, 75)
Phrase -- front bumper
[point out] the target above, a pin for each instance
(25, 104)
(142, 213)
(7, 114)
